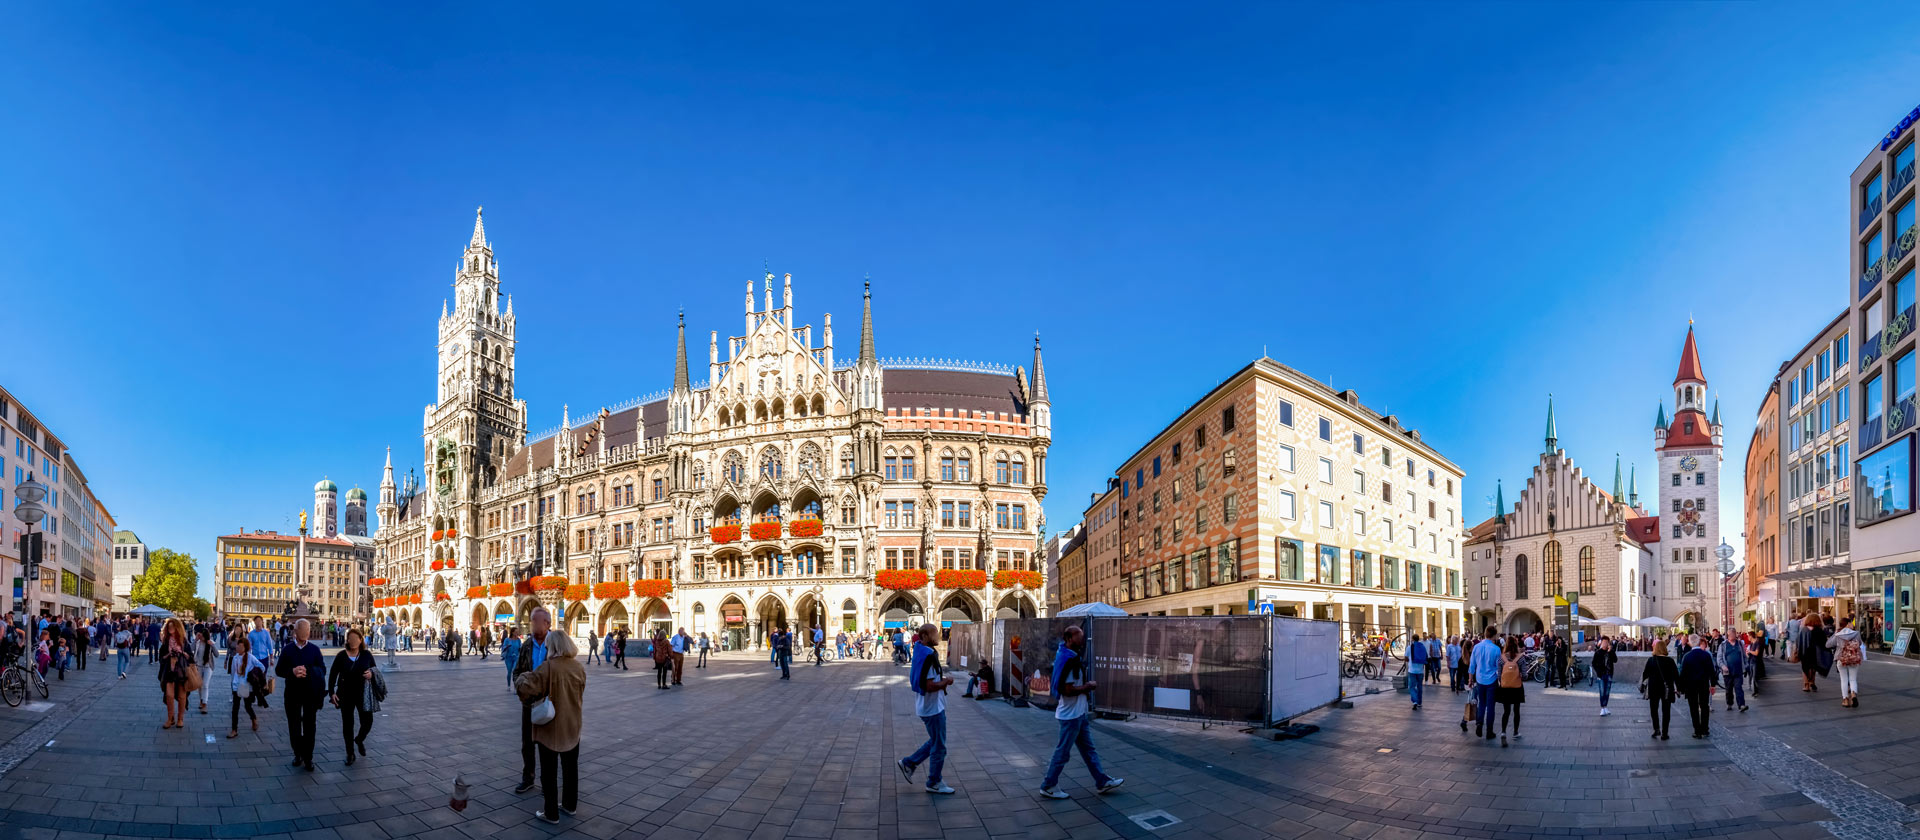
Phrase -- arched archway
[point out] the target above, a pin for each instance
(773, 615)
(613, 618)
(653, 615)
(579, 621)
(1524, 621)
(479, 617)
(899, 610)
(1016, 605)
(810, 612)
(959, 608)
(733, 623)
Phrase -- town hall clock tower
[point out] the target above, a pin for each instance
(1689, 450)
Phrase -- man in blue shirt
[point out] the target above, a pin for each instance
(929, 684)
(1485, 666)
(532, 653)
(1416, 668)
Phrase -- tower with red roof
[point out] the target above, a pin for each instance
(1688, 445)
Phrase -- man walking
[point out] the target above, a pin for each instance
(153, 640)
(678, 644)
(593, 648)
(1073, 695)
(783, 652)
(1417, 664)
(532, 654)
(929, 683)
(819, 647)
(305, 673)
(1732, 659)
(1485, 665)
(1697, 678)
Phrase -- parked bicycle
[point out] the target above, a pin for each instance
(15, 680)
(1358, 664)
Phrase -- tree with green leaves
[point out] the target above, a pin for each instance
(169, 582)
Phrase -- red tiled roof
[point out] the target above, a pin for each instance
(1677, 436)
(1644, 529)
(270, 536)
(1689, 362)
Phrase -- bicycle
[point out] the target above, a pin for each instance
(1359, 665)
(15, 679)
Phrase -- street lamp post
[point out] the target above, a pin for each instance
(1725, 553)
(27, 509)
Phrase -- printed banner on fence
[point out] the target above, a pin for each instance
(1204, 668)
(1030, 644)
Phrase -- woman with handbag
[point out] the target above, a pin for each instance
(1849, 654)
(175, 658)
(556, 688)
(1660, 682)
(350, 690)
(662, 657)
(203, 649)
(245, 675)
(1812, 649)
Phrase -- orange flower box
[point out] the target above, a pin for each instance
(652, 588)
(900, 580)
(576, 592)
(1007, 579)
(443, 597)
(436, 565)
(438, 535)
(453, 563)
(805, 528)
(453, 532)
(523, 587)
(476, 592)
(611, 589)
(413, 599)
(724, 533)
(765, 530)
(960, 579)
(548, 583)
(500, 590)
(376, 581)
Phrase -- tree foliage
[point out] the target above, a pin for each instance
(169, 582)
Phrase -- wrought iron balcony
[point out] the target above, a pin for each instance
(1871, 277)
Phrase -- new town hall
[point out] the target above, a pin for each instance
(785, 490)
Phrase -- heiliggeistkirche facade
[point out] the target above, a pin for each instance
(784, 490)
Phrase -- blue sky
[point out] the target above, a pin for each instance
(227, 232)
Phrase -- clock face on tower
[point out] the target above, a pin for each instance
(1689, 464)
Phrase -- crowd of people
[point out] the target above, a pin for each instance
(1696, 667)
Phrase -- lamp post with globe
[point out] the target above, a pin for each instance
(1725, 553)
(27, 508)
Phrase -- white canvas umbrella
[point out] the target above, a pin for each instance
(1616, 621)
(152, 611)
(1653, 621)
(1097, 609)
(1590, 622)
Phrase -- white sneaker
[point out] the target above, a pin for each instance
(1054, 793)
(1605, 712)
(939, 788)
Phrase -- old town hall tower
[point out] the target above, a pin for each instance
(1689, 450)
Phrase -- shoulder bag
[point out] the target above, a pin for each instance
(542, 712)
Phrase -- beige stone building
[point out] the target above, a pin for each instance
(785, 490)
(1275, 489)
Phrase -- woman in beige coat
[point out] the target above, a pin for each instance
(563, 680)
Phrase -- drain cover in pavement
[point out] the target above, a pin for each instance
(1153, 820)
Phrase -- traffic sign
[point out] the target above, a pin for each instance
(1266, 608)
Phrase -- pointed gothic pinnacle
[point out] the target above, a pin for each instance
(479, 230)
(1039, 372)
(866, 323)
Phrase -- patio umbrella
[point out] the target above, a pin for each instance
(152, 611)
(1096, 608)
(1615, 621)
(1653, 621)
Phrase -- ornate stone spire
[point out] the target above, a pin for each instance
(1499, 503)
(1617, 497)
(866, 324)
(1633, 485)
(1039, 373)
(479, 239)
(680, 380)
(1660, 419)
(1553, 434)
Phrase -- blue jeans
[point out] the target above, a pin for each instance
(1483, 696)
(121, 660)
(1606, 688)
(1736, 686)
(1075, 732)
(786, 670)
(934, 750)
(1414, 682)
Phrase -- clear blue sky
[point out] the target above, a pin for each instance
(227, 232)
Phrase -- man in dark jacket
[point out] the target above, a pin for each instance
(1698, 676)
(532, 654)
(304, 671)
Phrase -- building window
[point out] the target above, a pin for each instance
(1229, 508)
(1676, 479)
(966, 465)
(1326, 471)
(1326, 429)
(1326, 515)
(1359, 482)
(1520, 576)
(1226, 420)
(1286, 416)
(1287, 559)
(1689, 585)
(1359, 444)
(1286, 505)
(906, 465)
(1586, 571)
(1360, 522)
(1550, 570)
(1883, 482)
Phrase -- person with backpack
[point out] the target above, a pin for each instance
(929, 683)
(1510, 691)
(1416, 668)
(1850, 653)
(1073, 696)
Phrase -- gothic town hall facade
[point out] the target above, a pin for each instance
(787, 489)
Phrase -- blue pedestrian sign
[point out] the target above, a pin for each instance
(1266, 608)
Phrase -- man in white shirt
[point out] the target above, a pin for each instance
(929, 686)
(1075, 714)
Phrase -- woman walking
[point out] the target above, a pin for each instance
(174, 658)
(347, 688)
(562, 681)
(705, 645)
(606, 649)
(203, 651)
(243, 673)
(1813, 650)
(620, 651)
(662, 657)
(1603, 662)
(1660, 683)
(1511, 690)
(510, 651)
(1850, 653)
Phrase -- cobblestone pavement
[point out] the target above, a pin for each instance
(737, 753)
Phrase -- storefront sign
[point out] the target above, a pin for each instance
(1906, 640)
(1819, 591)
(1905, 123)
(1210, 668)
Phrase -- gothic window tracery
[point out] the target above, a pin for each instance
(769, 463)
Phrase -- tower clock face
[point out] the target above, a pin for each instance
(1689, 464)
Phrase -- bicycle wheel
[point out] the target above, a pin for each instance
(13, 687)
(1368, 670)
(40, 682)
(1397, 648)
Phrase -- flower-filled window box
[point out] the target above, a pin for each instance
(724, 533)
(652, 588)
(500, 590)
(611, 589)
(805, 528)
(376, 581)
(900, 580)
(524, 587)
(765, 530)
(413, 599)
(960, 579)
(576, 592)
(453, 532)
(453, 563)
(476, 592)
(443, 597)
(439, 535)
(1007, 579)
(437, 565)
(548, 583)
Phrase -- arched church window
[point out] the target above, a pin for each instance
(1520, 576)
(1551, 570)
(810, 460)
(846, 460)
(769, 463)
(733, 468)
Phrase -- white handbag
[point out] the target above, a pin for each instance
(542, 713)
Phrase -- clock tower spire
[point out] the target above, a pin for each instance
(1689, 452)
